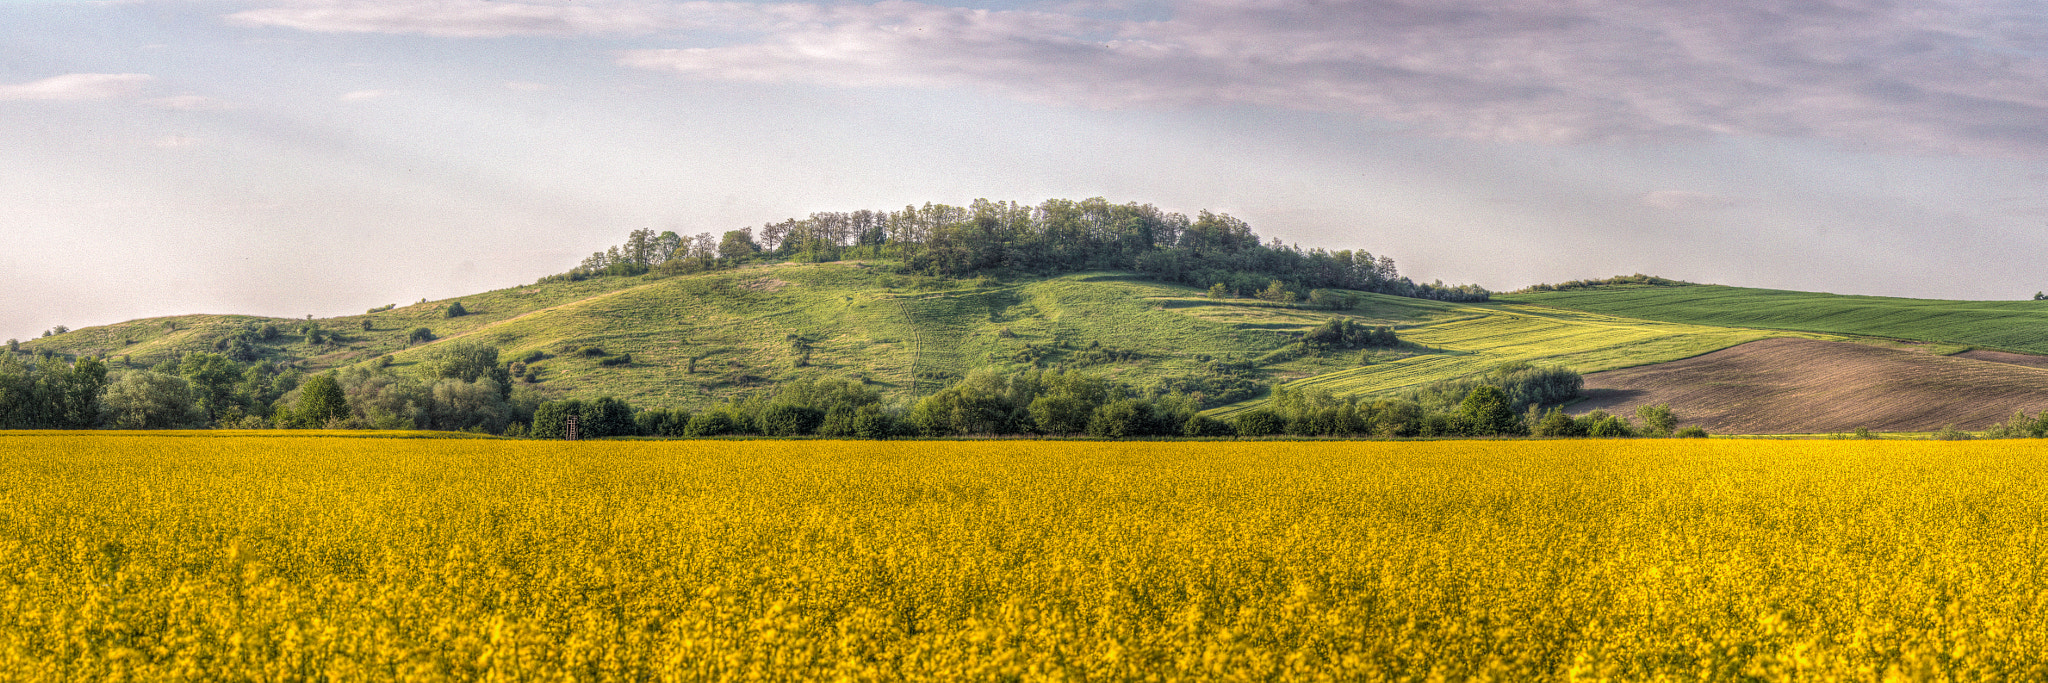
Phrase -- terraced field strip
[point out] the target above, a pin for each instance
(1497, 335)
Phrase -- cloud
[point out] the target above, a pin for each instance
(365, 95)
(1940, 76)
(177, 142)
(525, 86)
(191, 103)
(77, 87)
(493, 19)
(1682, 200)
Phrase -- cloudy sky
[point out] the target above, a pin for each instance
(292, 157)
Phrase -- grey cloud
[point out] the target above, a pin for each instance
(1931, 76)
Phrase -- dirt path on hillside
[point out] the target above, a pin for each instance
(1805, 386)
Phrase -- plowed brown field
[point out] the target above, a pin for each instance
(1805, 386)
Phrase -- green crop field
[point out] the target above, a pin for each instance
(2007, 325)
(281, 556)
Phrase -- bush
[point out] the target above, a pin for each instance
(455, 310)
(1259, 422)
(711, 423)
(784, 419)
(870, 422)
(419, 335)
(1691, 432)
(1125, 418)
(1950, 433)
(620, 359)
(1205, 426)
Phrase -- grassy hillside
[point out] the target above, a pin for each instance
(696, 339)
(2008, 325)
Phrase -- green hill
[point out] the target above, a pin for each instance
(2008, 325)
(692, 340)
(689, 341)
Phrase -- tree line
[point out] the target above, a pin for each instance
(465, 386)
(1209, 250)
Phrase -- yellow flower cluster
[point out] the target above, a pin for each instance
(278, 558)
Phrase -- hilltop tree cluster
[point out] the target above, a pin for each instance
(1209, 250)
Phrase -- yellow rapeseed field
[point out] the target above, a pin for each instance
(155, 557)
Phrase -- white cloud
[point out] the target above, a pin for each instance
(1936, 76)
(177, 142)
(77, 87)
(491, 19)
(526, 86)
(191, 103)
(364, 95)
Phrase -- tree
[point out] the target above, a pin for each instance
(1657, 419)
(1487, 412)
(1261, 422)
(1556, 423)
(455, 310)
(470, 361)
(151, 400)
(1124, 418)
(419, 335)
(1277, 292)
(321, 402)
(213, 379)
(737, 244)
(787, 419)
(1218, 291)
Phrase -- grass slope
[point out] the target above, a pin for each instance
(745, 329)
(2008, 325)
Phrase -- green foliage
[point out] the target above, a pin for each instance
(151, 400)
(1255, 423)
(606, 416)
(1691, 432)
(467, 360)
(455, 310)
(419, 335)
(383, 308)
(1636, 279)
(1950, 433)
(45, 392)
(614, 361)
(1556, 423)
(321, 403)
(1487, 412)
(1600, 424)
(1345, 333)
(1658, 420)
(1218, 292)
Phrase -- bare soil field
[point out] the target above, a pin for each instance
(1805, 386)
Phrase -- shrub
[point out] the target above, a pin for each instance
(1950, 433)
(784, 419)
(1259, 422)
(620, 359)
(1691, 432)
(1205, 426)
(455, 310)
(419, 335)
(711, 423)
